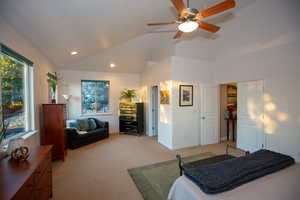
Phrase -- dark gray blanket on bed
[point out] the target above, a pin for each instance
(226, 175)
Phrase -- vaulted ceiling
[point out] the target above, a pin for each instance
(101, 31)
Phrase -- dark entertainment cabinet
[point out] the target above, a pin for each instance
(131, 118)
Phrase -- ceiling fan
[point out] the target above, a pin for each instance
(189, 19)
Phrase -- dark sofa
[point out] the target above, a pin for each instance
(76, 140)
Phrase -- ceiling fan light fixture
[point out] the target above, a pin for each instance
(188, 26)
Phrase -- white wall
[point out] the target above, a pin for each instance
(178, 126)
(259, 40)
(280, 72)
(71, 84)
(257, 44)
(165, 119)
(158, 74)
(253, 44)
(269, 50)
(186, 120)
(42, 66)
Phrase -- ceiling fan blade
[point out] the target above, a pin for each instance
(179, 5)
(160, 23)
(226, 5)
(209, 27)
(178, 34)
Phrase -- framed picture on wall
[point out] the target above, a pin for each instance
(186, 95)
(164, 97)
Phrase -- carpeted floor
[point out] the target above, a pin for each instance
(99, 171)
(154, 181)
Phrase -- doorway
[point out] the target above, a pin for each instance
(228, 113)
(241, 115)
(154, 110)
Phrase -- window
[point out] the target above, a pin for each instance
(16, 92)
(94, 97)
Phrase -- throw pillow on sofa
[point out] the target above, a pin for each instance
(83, 124)
(74, 125)
(92, 124)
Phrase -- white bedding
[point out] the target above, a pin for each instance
(282, 185)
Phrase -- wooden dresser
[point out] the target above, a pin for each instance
(53, 129)
(29, 180)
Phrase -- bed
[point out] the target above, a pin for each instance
(282, 185)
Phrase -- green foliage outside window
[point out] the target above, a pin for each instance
(12, 96)
(11, 73)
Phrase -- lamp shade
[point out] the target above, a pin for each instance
(67, 97)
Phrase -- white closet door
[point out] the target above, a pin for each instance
(209, 115)
(250, 136)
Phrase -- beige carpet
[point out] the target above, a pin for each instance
(99, 171)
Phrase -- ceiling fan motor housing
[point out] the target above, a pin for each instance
(192, 11)
(189, 15)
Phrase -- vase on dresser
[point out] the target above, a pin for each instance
(3, 150)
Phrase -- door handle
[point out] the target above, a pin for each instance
(202, 117)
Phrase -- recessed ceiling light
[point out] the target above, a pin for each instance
(112, 65)
(74, 53)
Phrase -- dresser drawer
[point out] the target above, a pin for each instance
(26, 191)
(44, 165)
(29, 180)
(43, 188)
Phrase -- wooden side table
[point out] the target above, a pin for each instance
(231, 121)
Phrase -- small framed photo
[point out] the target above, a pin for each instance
(186, 95)
(164, 97)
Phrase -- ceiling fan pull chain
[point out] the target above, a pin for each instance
(188, 3)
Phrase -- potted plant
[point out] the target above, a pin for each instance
(128, 94)
(230, 111)
(52, 81)
(3, 133)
